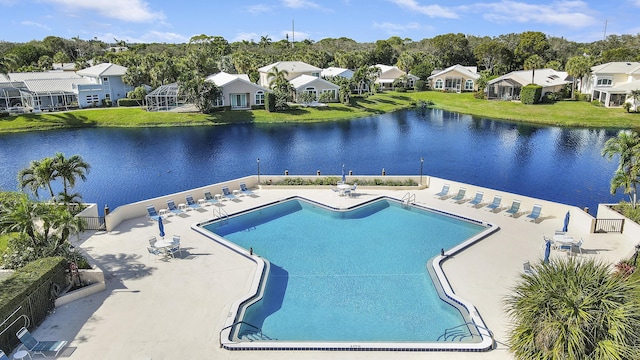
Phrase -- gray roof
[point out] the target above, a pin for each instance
(45, 86)
(618, 67)
(543, 77)
(291, 67)
(104, 69)
(45, 75)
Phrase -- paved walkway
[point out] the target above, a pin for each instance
(173, 309)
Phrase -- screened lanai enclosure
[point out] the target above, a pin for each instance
(13, 98)
(165, 98)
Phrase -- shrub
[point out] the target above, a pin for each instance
(129, 102)
(107, 103)
(270, 102)
(326, 97)
(596, 103)
(420, 85)
(479, 95)
(4, 114)
(530, 94)
(549, 98)
(401, 89)
(583, 97)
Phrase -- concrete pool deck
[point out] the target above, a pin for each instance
(175, 308)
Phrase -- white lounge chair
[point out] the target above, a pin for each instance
(210, 199)
(171, 205)
(444, 192)
(459, 196)
(535, 213)
(227, 193)
(495, 204)
(152, 213)
(39, 347)
(476, 200)
(514, 209)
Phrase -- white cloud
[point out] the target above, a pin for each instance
(33, 23)
(251, 36)
(299, 35)
(124, 10)
(396, 27)
(148, 37)
(296, 4)
(432, 11)
(563, 13)
(258, 9)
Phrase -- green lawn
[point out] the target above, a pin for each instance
(562, 113)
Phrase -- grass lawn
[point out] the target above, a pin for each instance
(562, 113)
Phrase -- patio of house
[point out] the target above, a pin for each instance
(174, 308)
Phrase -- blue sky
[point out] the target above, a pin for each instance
(176, 21)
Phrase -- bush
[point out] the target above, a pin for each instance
(4, 114)
(107, 103)
(549, 98)
(326, 97)
(583, 97)
(479, 95)
(596, 103)
(530, 94)
(270, 102)
(420, 85)
(401, 89)
(129, 102)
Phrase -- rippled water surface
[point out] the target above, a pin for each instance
(129, 165)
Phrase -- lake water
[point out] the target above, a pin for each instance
(129, 165)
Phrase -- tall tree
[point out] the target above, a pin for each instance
(203, 94)
(574, 309)
(627, 146)
(532, 63)
(578, 67)
(39, 175)
(531, 43)
(70, 170)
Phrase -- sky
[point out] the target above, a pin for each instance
(176, 21)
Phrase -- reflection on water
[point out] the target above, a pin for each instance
(133, 164)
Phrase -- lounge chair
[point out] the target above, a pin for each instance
(210, 199)
(570, 247)
(39, 347)
(527, 268)
(459, 196)
(171, 205)
(152, 213)
(495, 204)
(444, 192)
(245, 191)
(476, 200)
(192, 204)
(514, 209)
(227, 193)
(152, 241)
(352, 191)
(535, 213)
(3, 356)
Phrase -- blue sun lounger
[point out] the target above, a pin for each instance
(460, 196)
(476, 200)
(535, 213)
(192, 204)
(173, 208)
(495, 204)
(227, 193)
(210, 198)
(39, 347)
(3, 356)
(152, 213)
(444, 192)
(244, 190)
(514, 209)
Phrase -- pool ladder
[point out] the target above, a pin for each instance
(458, 333)
(220, 214)
(253, 334)
(408, 199)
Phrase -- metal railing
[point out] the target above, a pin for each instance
(609, 225)
(94, 223)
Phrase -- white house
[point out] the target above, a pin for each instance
(238, 91)
(389, 74)
(38, 91)
(316, 86)
(456, 78)
(508, 86)
(293, 69)
(336, 71)
(105, 83)
(611, 83)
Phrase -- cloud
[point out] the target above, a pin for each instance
(124, 10)
(299, 35)
(148, 37)
(432, 11)
(258, 9)
(33, 23)
(396, 27)
(572, 14)
(297, 4)
(245, 36)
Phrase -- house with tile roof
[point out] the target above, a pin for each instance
(389, 74)
(456, 78)
(238, 92)
(316, 86)
(508, 86)
(293, 69)
(613, 82)
(106, 83)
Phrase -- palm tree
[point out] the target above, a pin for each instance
(574, 309)
(70, 169)
(21, 217)
(577, 67)
(39, 174)
(635, 95)
(277, 78)
(627, 146)
(532, 63)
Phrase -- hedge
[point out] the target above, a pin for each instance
(270, 102)
(530, 94)
(30, 287)
(129, 102)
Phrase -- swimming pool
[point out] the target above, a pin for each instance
(356, 276)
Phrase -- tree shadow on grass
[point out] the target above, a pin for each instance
(66, 119)
(400, 97)
(231, 117)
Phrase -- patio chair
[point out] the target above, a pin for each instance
(210, 199)
(175, 246)
(152, 241)
(227, 193)
(352, 191)
(155, 251)
(152, 213)
(577, 246)
(39, 347)
(3, 356)
(476, 200)
(495, 204)
(459, 196)
(527, 268)
(444, 192)
(192, 204)
(245, 191)
(535, 213)
(171, 205)
(514, 209)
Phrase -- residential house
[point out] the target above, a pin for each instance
(456, 78)
(293, 69)
(389, 74)
(105, 83)
(507, 87)
(316, 86)
(238, 92)
(612, 83)
(336, 71)
(38, 91)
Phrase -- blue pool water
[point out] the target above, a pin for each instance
(358, 275)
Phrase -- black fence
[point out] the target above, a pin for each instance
(94, 223)
(609, 225)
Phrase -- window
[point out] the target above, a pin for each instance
(468, 85)
(238, 100)
(107, 96)
(311, 90)
(438, 84)
(260, 97)
(92, 98)
(219, 101)
(332, 93)
(316, 74)
(605, 81)
(105, 79)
